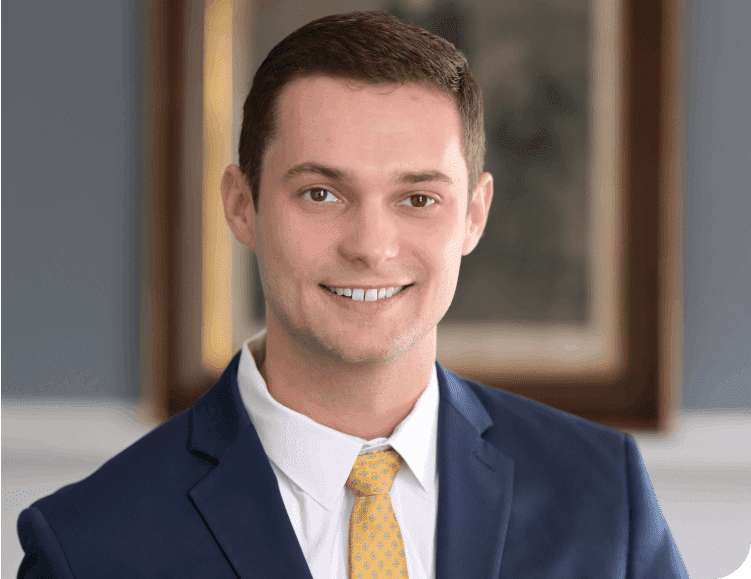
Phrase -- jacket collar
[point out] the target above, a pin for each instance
(239, 498)
(475, 486)
(218, 417)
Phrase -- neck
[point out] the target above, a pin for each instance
(364, 400)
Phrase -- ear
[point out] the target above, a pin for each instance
(238, 206)
(477, 216)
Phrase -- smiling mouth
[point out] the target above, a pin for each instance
(368, 295)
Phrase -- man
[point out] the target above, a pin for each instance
(335, 445)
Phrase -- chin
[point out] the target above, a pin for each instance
(382, 350)
(364, 352)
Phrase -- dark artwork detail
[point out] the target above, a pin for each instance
(531, 59)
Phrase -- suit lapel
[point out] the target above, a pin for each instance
(475, 486)
(239, 498)
(240, 502)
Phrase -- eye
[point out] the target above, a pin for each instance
(319, 195)
(419, 200)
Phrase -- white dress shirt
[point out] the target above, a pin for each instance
(312, 463)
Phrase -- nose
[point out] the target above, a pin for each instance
(372, 236)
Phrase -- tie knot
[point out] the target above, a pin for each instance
(373, 474)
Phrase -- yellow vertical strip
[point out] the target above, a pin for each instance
(217, 243)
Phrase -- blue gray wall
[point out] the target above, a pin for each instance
(717, 230)
(71, 196)
(72, 189)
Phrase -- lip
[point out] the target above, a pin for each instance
(359, 305)
(365, 286)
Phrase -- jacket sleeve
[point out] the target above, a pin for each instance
(44, 557)
(652, 551)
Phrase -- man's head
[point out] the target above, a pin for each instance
(363, 186)
(370, 47)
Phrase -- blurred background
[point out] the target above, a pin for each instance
(116, 117)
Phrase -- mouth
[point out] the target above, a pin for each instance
(362, 295)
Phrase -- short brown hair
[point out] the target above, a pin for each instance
(373, 47)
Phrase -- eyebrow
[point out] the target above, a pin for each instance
(404, 178)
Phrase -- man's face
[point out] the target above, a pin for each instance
(365, 188)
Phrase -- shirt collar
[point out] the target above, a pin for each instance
(319, 459)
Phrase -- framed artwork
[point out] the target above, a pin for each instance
(573, 295)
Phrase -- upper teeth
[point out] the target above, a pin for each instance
(369, 295)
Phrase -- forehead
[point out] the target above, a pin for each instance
(343, 121)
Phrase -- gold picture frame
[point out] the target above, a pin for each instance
(621, 368)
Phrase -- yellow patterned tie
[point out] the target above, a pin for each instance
(376, 550)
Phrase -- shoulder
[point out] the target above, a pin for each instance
(583, 480)
(128, 505)
(163, 463)
(146, 469)
(534, 417)
(545, 442)
(523, 417)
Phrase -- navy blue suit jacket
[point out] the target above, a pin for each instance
(525, 491)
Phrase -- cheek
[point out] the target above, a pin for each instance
(448, 276)
(301, 243)
(445, 245)
(452, 257)
(450, 260)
